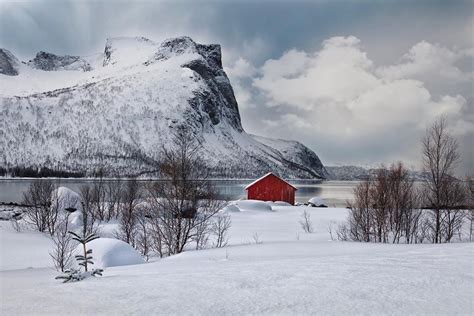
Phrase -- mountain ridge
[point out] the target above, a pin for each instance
(116, 110)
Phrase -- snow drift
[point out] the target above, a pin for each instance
(110, 252)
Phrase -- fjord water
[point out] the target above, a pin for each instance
(334, 193)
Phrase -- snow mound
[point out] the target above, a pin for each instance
(279, 203)
(231, 208)
(253, 205)
(316, 201)
(110, 252)
(64, 198)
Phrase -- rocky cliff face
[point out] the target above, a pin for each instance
(116, 110)
(8, 63)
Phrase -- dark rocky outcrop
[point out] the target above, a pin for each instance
(50, 62)
(8, 63)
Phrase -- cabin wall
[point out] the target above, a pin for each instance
(272, 189)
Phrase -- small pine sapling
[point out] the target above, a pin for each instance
(84, 260)
(86, 257)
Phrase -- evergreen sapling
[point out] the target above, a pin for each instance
(84, 260)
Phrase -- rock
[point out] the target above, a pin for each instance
(8, 63)
(50, 62)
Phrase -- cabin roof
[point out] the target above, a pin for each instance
(263, 177)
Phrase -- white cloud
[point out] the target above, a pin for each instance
(337, 96)
(239, 74)
(425, 60)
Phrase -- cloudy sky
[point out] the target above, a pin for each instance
(356, 81)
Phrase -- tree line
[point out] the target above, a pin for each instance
(389, 207)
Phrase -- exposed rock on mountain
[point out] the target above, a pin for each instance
(50, 62)
(116, 110)
(8, 63)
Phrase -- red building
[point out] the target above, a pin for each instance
(271, 188)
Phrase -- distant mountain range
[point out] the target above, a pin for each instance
(356, 173)
(117, 109)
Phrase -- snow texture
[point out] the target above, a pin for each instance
(287, 273)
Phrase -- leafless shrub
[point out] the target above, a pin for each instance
(385, 208)
(220, 229)
(306, 222)
(331, 229)
(256, 238)
(63, 246)
(202, 234)
(342, 232)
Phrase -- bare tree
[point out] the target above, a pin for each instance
(440, 157)
(360, 219)
(403, 215)
(380, 196)
(452, 217)
(144, 242)
(470, 202)
(113, 191)
(186, 199)
(99, 197)
(131, 197)
(306, 222)
(63, 246)
(39, 211)
(89, 219)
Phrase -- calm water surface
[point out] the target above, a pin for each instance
(335, 193)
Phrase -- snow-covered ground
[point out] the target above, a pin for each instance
(286, 272)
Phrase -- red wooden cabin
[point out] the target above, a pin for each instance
(271, 188)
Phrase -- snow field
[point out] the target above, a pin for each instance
(287, 273)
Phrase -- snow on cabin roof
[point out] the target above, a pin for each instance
(263, 177)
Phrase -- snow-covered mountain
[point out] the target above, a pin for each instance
(117, 109)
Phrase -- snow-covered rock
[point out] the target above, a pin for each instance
(110, 252)
(118, 115)
(317, 201)
(64, 198)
